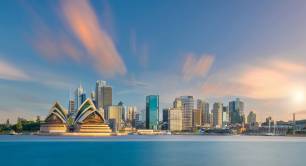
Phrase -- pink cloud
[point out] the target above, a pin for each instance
(83, 22)
(9, 71)
(266, 80)
(196, 67)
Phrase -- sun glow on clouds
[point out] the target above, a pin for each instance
(273, 79)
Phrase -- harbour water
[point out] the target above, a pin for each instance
(152, 151)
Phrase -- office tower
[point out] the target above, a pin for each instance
(188, 106)
(71, 106)
(115, 117)
(165, 119)
(78, 97)
(196, 118)
(131, 116)
(236, 110)
(93, 97)
(251, 119)
(124, 111)
(152, 112)
(204, 108)
(83, 97)
(175, 119)
(178, 103)
(225, 116)
(103, 96)
(217, 115)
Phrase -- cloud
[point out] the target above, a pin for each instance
(139, 50)
(82, 20)
(196, 67)
(9, 71)
(268, 79)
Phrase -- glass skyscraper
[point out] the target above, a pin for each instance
(152, 112)
(236, 110)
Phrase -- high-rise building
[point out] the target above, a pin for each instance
(165, 124)
(93, 97)
(251, 119)
(131, 116)
(79, 97)
(71, 106)
(178, 103)
(236, 110)
(217, 115)
(204, 108)
(196, 118)
(225, 116)
(103, 96)
(115, 117)
(152, 112)
(188, 106)
(175, 119)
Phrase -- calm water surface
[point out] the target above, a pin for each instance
(153, 150)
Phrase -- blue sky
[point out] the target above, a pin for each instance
(214, 50)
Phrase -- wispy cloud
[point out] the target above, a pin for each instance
(139, 50)
(78, 20)
(196, 67)
(83, 21)
(9, 71)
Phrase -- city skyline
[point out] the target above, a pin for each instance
(213, 51)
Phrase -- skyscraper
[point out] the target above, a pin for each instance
(225, 116)
(131, 115)
(175, 119)
(115, 117)
(196, 118)
(103, 96)
(217, 115)
(251, 119)
(204, 108)
(165, 119)
(188, 106)
(71, 106)
(152, 111)
(79, 97)
(236, 110)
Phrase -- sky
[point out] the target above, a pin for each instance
(212, 50)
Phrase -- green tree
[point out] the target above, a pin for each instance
(19, 127)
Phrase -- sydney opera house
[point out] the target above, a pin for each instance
(85, 121)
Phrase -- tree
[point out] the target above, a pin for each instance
(19, 126)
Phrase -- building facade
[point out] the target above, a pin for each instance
(225, 117)
(78, 97)
(204, 108)
(165, 125)
(251, 119)
(152, 112)
(196, 118)
(217, 115)
(188, 106)
(115, 117)
(71, 106)
(103, 96)
(236, 110)
(175, 119)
